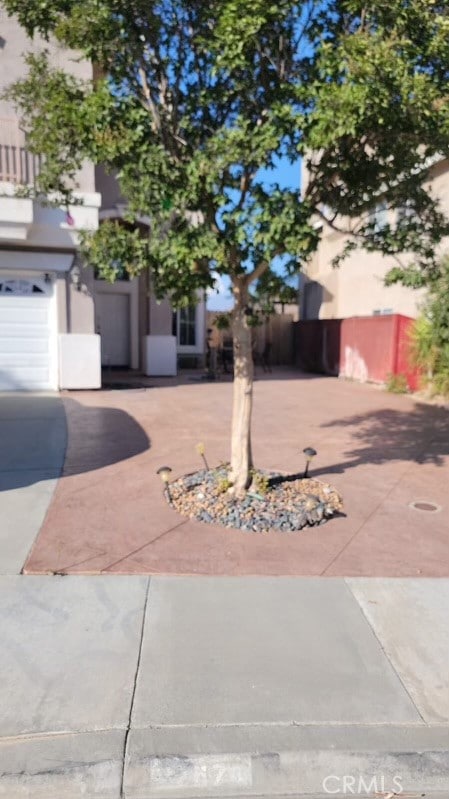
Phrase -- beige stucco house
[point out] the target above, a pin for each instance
(356, 287)
(59, 324)
(136, 330)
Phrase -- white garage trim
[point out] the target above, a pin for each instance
(36, 261)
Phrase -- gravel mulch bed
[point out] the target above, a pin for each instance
(284, 503)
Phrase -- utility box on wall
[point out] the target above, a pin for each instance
(79, 361)
(160, 356)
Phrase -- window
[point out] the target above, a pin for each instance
(406, 212)
(20, 287)
(120, 273)
(187, 326)
(379, 217)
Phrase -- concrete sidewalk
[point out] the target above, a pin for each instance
(143, 687)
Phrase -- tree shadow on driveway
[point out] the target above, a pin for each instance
(99, 437)
(45, 436)
(419, 435)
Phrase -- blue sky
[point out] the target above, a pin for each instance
(288, 176)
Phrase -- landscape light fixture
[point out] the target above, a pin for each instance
(200, 448)
(164, 473)
(310, 453)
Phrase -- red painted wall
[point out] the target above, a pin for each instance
(362, 348)
(402, 364)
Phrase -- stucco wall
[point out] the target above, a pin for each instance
(80, 304)
(356, 288)
(12, 67)
(160, 317)
(109, 189)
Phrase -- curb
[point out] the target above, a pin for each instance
(307, 773)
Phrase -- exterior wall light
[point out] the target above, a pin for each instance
(75, 276)
(310, 453)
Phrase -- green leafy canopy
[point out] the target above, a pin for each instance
(191, 100)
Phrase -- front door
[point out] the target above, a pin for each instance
(113, 325)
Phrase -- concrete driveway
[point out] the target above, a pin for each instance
(33, 439)
(382, 451)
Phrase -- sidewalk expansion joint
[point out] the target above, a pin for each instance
(401, 682)
(41, 736)
(133, 695)
(293, 724)
(139, 549)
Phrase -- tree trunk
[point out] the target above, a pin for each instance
(241, 455)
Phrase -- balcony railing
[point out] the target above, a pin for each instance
(17, 164)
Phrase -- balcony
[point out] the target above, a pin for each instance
(17, 165)
(22, 218)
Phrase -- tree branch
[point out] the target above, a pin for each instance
(363, 14)
(346, 231)
(244, 186)
(152, 107)
(257, 272)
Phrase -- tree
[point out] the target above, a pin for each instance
(192, 99)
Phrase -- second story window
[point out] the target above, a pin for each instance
(120, 274)
(406, 213)
(379, 216)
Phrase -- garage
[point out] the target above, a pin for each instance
(27, 334)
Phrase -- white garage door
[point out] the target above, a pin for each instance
(25, 334)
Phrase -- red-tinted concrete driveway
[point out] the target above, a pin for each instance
(381, 451)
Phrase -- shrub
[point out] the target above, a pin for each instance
(429, 335)
(259, 482)
(397, 384)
